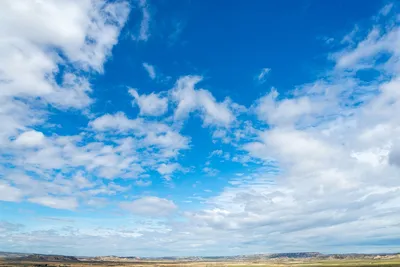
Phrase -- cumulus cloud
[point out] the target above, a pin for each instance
(150, 206)
(150, 133)
(79, 34)
(45, 63)
(167, 169)
(147, 145)
(271, 110)
(30, 138)
(320, 145)
(188, 100)
(79, 22)
(118, 121)
(151, 105)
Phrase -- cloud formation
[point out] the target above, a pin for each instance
(188, 100)
(319, 164)
(150, 206)
(151, 105)
(144, 27)
(262, 76)
(150, 70)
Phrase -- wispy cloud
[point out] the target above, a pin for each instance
(262, 75)
(144, 31)
(210, 171)
(386, 9)
(150, 70)
(178, 27)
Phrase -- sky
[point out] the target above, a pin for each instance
(188, 127)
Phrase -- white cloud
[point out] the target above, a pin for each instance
(45, 63)
(150, 206)
(167, 139)
(189, 99)
(350, 37)
(30, 138)
(262, 76)
(167, 169)
(9, 193)
(217, 152)
(151, 105)
(29, 66)
(210, 171)
(213, 112)
(320, 145)
(57, 191)
(363, 55)
(143, 183)
(56, 202)
(144, 27)
(149, 144)
(153, 133)
(118, 121)
(285, 111)
(69, 26)
(82, 182)
(150, 70)
(386, 9)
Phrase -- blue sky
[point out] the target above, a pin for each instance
(158, 128)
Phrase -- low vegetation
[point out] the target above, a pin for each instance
(307, 259)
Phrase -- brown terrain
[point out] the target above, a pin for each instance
(282, 259)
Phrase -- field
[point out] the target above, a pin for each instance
(299, 263)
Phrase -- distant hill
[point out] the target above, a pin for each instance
(254, 257)
(12, 254)
(50, 258)
(238, 258)
(295, 255)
